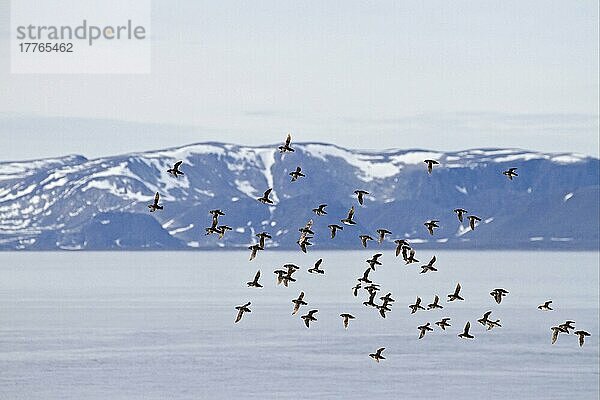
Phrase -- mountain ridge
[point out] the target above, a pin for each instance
(69, 202)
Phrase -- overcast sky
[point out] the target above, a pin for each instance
(361, 74)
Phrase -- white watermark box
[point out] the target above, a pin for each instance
(80, 36)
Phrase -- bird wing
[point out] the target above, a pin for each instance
(267, 192)
(380, 350)
(457, 290)
(288, 139)
(467, 327)
(554, 335)
(351, 212)
(432, 261)
(257, 276)
(239, 315)
(156, 197)
(318, 263)
(177, 164)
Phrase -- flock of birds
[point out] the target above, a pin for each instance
(285, 274)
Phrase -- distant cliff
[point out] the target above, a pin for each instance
(75, 203)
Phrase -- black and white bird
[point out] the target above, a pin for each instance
(364, 239)
(435, 304)
(568, 325)
(485, 319)
(262, 236)
(298, 302)
(241, 310)
(309, 317)
(510, 173)
(473, 219)
(320, 211)
(265, 197)
(556, 330)
(286, 146)
(373, 261)
(334, 228)
(175, 171)
(430, 164)
(424, 329)
(410, 258)
(377, 355)
(296, 174)
(155, 206)
(498, 294)
(582, 335)
(360, 195)
(456, 295)
(381, 234)
(348, 220)
(546, 306)
(346, 318)
(443, 323)
(417, 306)
(429, 267)
(254, 249)
(255, 283)
(316, 268)
(400, 244)
(431, 225)
(459, 213)
(465, 334)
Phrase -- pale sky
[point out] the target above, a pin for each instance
(362, 74)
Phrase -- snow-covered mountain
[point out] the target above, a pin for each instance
(76, 203)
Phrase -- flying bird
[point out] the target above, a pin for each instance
(568, 325)
(296, 174)
(320, 211)
(373, 261)
(546, 306)
(346, 318)
(298, 302)
(286, 146)
(334, 228)
(510, 173)
(400, 243)
(377, 355)
(431, 225)
(360, 195)
(265, 197)
(459, 213)
(155, 206)
(465, 334)
(382, 233)
(498, 294)
(364, 239)
(410, 258)
(423, 329)
(485, 319)
(435, 303)
(262, 236)
(255, 283)
(309, 317)
(348, 220)
(472, 220)
(315, 269)
(556, 330)
(429, 266)
(365, 277)
(241, 310)
(582, 335)
(430, 164)
(254, 250)
(443, 324)
(175, 170)
(416, 306)
(456, 294)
